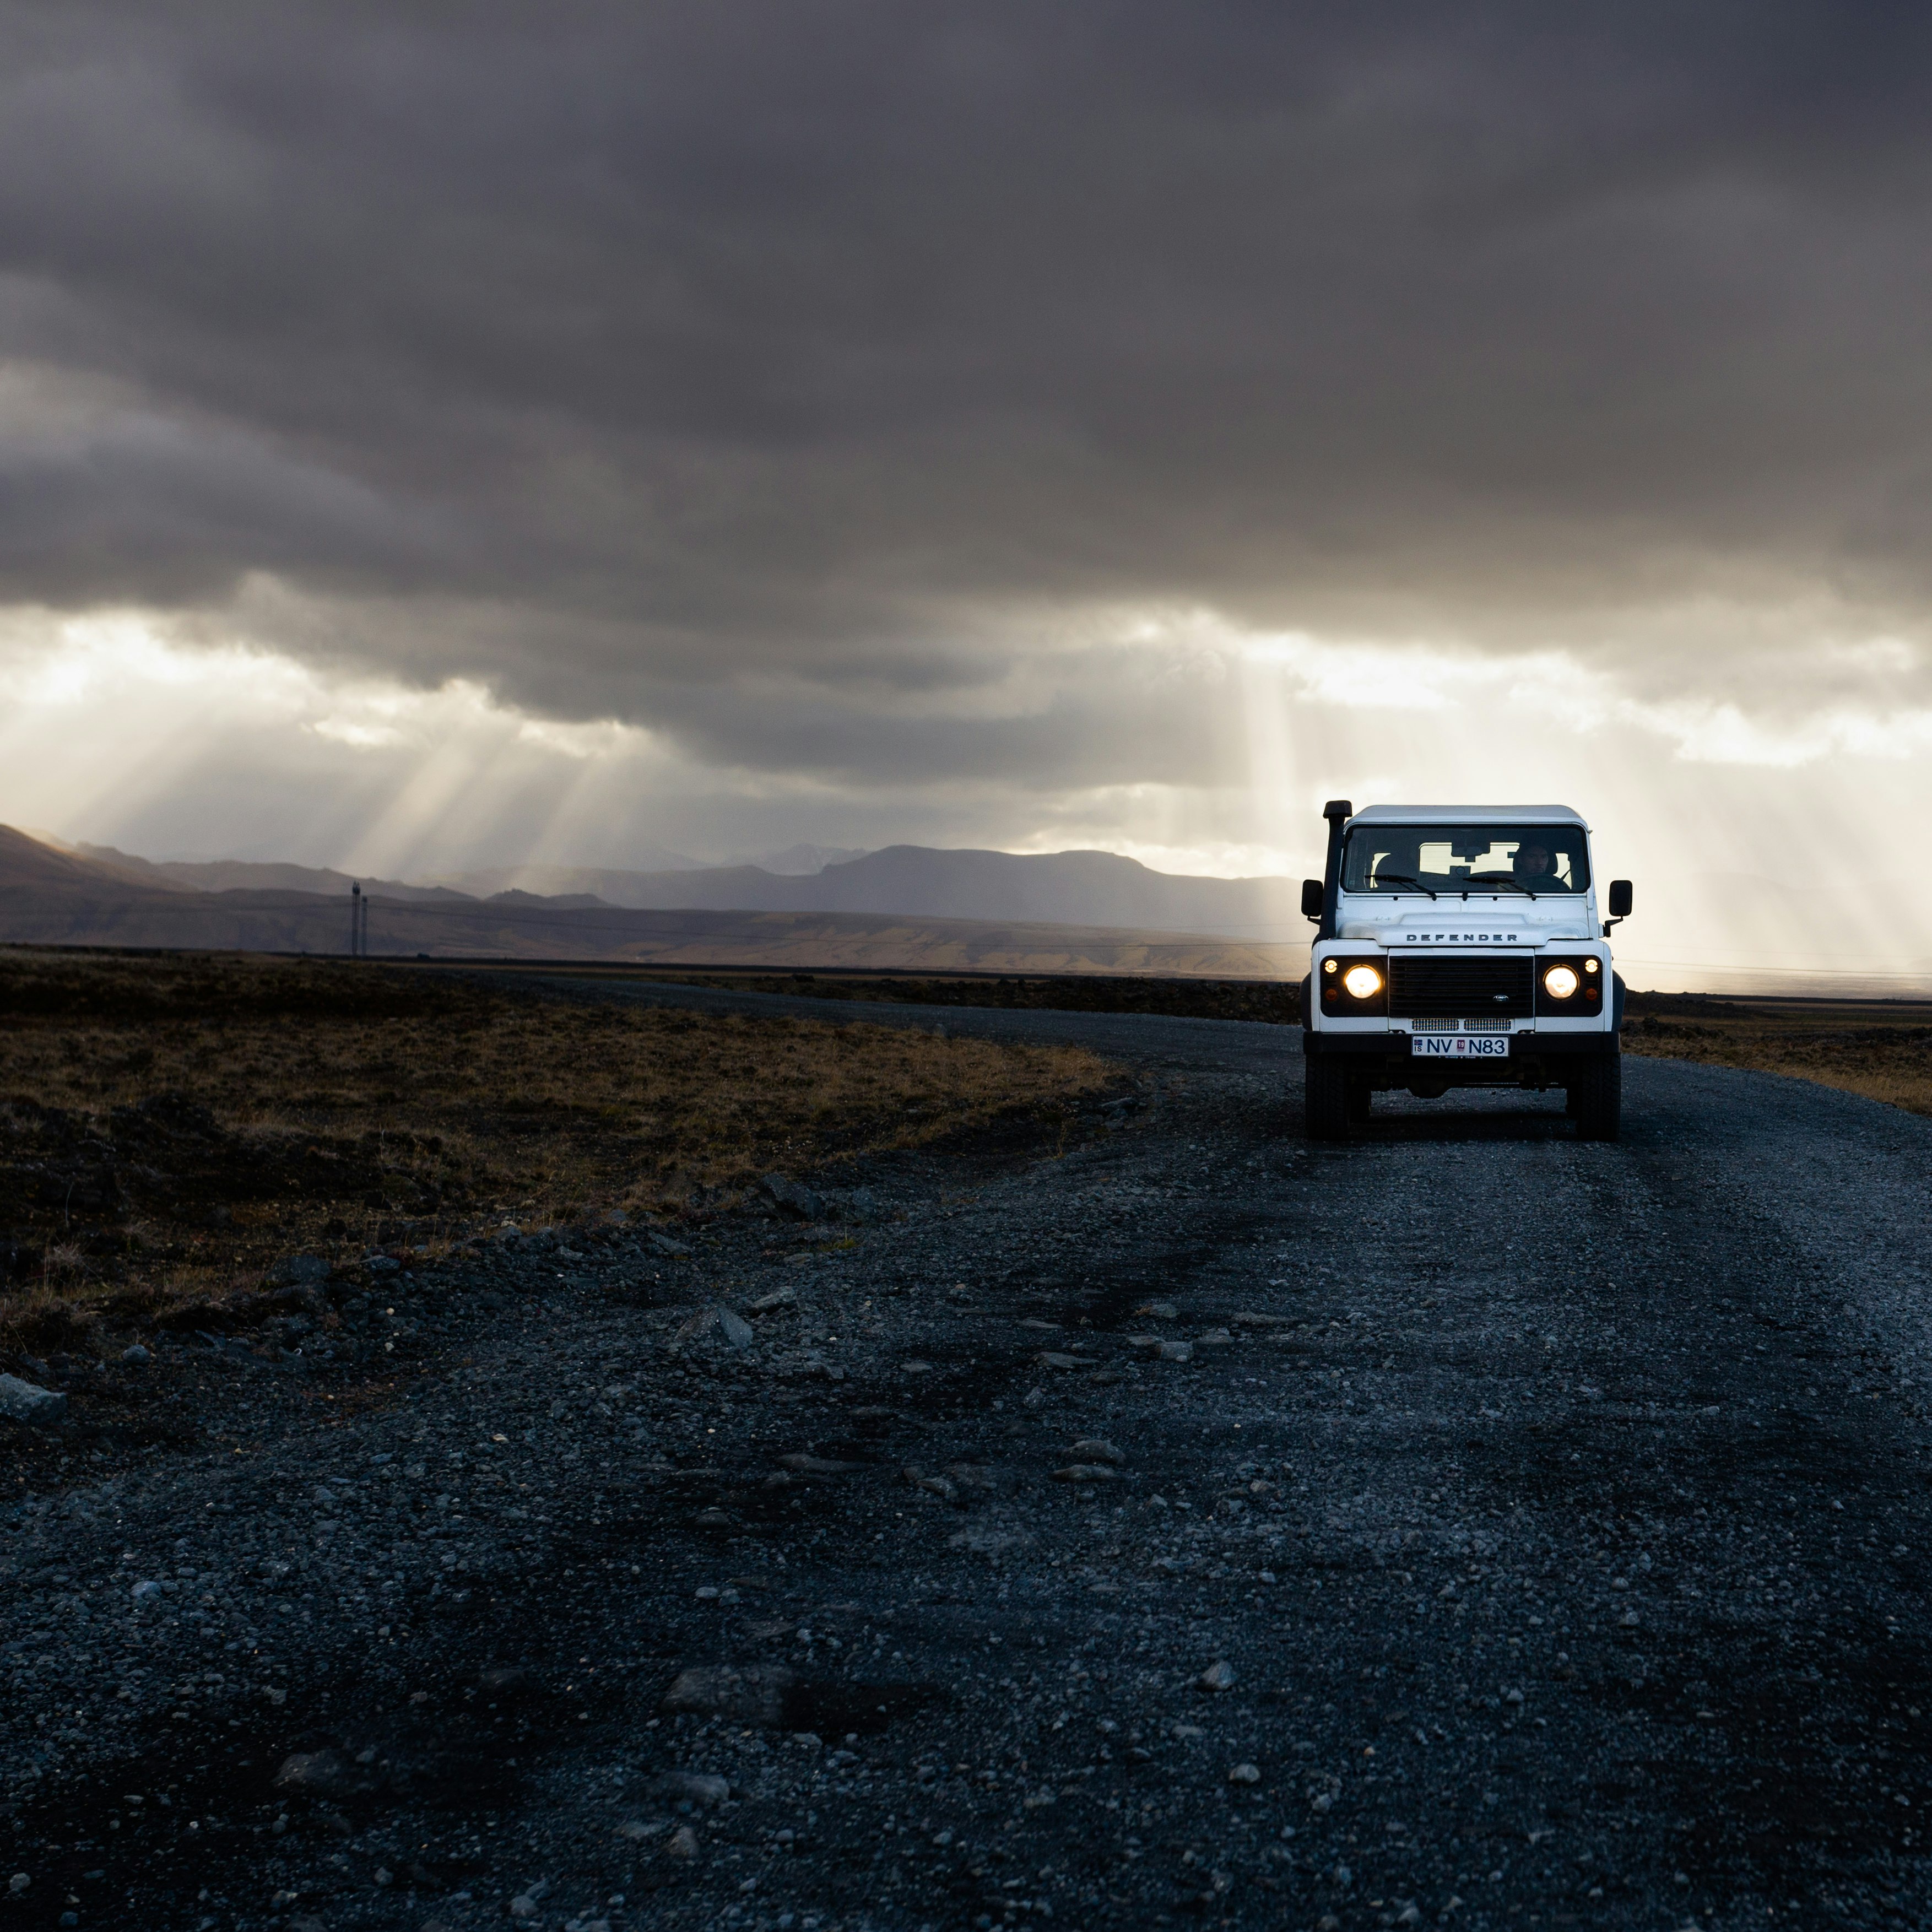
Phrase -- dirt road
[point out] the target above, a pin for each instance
(1462, 1526)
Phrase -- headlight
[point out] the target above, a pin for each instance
(1364, 982)
(1560, 981)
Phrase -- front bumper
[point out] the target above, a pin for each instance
(1535, 1059)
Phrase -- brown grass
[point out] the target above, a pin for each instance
(184, 1120)
(1881, 1049)
(1274, 1002)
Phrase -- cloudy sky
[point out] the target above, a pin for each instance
(434, 435)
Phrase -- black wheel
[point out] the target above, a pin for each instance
(1324, 1105)
(1596, 1098)
(1361, 1098)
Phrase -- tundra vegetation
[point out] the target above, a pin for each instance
(1881, 1049)
(169, 1126)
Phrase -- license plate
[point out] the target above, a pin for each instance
(1458, 1046)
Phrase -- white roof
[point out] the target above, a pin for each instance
(1468, 815)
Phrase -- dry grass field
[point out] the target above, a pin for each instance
(1880, 1049)
(170, 1125)
(1274, 1002)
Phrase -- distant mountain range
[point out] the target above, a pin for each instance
(1086, 888)
(908, 906)
(1069, 888)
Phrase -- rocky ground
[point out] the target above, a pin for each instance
(1179, 1524)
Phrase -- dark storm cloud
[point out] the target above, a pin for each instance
(622, 354)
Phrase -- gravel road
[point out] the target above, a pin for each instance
(1460, 1526)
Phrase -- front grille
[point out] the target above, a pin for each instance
(1481, 984)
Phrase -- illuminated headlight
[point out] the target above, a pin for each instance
(1364, 982)
(1560, 981)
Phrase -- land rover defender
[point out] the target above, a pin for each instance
(1460, 945)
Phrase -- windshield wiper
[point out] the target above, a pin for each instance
(1499, 879)
(1401, 879)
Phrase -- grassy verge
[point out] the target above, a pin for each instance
(1276, 1003)
(1881, 1049)
(169, 1126)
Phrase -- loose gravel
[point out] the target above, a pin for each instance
(1461, 1526)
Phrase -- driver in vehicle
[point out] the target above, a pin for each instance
(1532, 868)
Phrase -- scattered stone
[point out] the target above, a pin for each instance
(1050, 1359)
(860, 1205)
(713, 1518)
(789, 1197)
(973, 1476)
(1034, 1321)
(146, 1591)
(135, 1356)
(1097, 1449)
(1220, 1676)
(382, 1265)
(296, 1271)
(507, 1680)
(324, 1774)
(755, 1695)
(692, 1787)
(1176, 1351)
(26, 1402)
(732, 1326)
(1035, 1398)
(683, 1843)
(635, 1828)
(776, 1297)
(819, 1466)
(665, 1245)
(1247, 1318)
(1086, 1472)
(1215, 1338)
(1245, 1773)
(914, 1367)
(1159, 1311)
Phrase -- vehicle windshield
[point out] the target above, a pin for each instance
(1512, 858)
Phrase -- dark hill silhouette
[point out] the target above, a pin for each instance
(223, 875)
(1077, 888)
(48, 897)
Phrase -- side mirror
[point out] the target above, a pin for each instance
(1620, 899)
(1312, 895)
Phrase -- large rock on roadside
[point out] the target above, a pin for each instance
(755, 1695)
(296, 1271)
(26, 1402)
(793, 1197)
(715, 1318)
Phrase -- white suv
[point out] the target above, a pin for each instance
(1460, 945)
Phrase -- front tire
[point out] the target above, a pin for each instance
(1325, 1103)
(1597, 1099)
